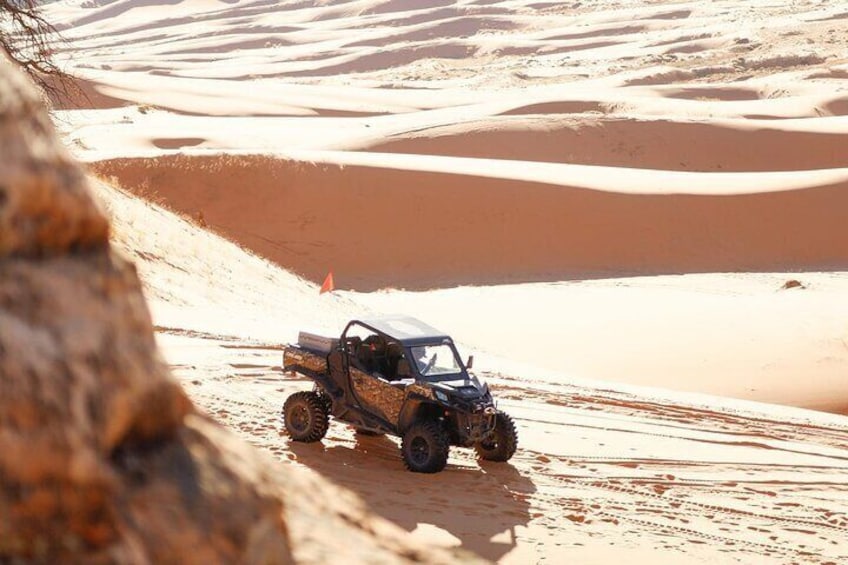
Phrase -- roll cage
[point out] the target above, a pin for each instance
(386, 346)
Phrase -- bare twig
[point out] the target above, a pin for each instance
(27, 39)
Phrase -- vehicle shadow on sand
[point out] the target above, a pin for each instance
(480, 505)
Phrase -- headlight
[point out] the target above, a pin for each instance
(441, 396)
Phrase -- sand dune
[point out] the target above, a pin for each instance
(396, 227)
(316, 38)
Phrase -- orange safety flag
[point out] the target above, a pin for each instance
(328, 285)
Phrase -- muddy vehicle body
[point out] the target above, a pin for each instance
(396, 375)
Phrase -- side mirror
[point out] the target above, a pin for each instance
(470, 362)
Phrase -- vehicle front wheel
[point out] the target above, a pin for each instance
(425, 447)
(305, 416)
(501, 446)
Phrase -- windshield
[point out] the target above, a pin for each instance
(435, 360)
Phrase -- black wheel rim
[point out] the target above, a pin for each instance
(419, 450)
(299, 418)
(491, 443)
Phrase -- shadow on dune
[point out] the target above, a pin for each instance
(480, 506)
(378, 227)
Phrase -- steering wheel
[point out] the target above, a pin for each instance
(430, 364)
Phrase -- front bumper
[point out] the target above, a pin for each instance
(474, 427)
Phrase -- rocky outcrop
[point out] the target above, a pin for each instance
(103, 458)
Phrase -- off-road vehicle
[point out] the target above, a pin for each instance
(396, 375)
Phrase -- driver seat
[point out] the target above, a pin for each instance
(394, 353)
(403, 370)
(403, 374)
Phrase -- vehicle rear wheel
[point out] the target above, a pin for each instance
(425, 447)
(305, 416)
(502, 445)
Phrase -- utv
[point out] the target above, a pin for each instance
(396, 375)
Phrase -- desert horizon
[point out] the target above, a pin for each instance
(634, 215)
